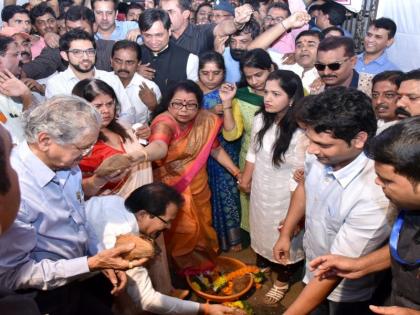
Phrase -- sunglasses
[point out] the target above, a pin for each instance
(332, 66)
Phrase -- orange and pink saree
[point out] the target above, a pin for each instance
(191, 241)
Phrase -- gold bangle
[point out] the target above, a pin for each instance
(146, 156)
(235, 174)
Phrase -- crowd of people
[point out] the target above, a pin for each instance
(205, 126)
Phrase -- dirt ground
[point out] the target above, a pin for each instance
(255, 297)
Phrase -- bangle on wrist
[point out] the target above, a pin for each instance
(285, 29)
(235, 174)
(146, 156)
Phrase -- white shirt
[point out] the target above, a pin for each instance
(64, 82)
(307, 77)
(133, 88)
(109, 218)
(382, 125)
(10, 118)
(346, 214)
(192, 67)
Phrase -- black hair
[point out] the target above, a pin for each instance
(9, 12)
(281, 6)
(335, 11)
(5, 180)
(344, 112)
(331, 43)
(331, 29)
(182, 4)
(291, 84)
(391, 76)
(251, 27)
(92, 2)
(63, 6)
(313, 33)
(204, 4)
(153, 198)
(399, 146)
(127, 44)
(386, 24)
(300, 107)
(40, 10)
(80, 13)
(411, 75)
(89, 89)
(5, 41)
(211, 56)
(72, 35)
(256, 58)
(135, 5)
(186, 86)
(150, 16)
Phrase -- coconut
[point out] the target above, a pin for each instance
(145, 248)
(113, 163)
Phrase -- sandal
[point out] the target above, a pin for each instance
(275, 294)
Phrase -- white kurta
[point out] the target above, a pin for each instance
(271, 190)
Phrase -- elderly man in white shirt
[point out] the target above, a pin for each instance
(77, 47)
(346, 213)
(144, 94)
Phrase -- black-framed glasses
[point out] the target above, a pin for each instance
(180, 105)
(163, 220)
(80, 52)
(332, 66)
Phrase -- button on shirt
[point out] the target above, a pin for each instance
(133, 88)
(48, 243)
(346, 214)
(380, 64)
(64, 82)
(120, 31)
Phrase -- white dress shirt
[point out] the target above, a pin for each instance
(109, 218)
(48, 244)
(64, 82)
(346, 214)
(133, 88)
(192, 67)
(307, 77)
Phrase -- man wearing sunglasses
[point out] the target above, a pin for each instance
(335, 63)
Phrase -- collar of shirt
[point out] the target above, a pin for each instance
(345, 175)
(189, 31)
(69, 74)
(42, 174)
(354, 80)
(381, 60)
(135, 81)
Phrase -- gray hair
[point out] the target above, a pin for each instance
(65, 118)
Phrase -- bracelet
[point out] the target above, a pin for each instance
(229, 107)
(146, 156)
(285, 29)
(235, 174)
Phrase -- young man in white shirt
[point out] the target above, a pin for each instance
(144, 94)
(77, 47)
(345, 211)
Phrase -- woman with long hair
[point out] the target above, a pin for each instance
(270, 162)
(240, 106)
(183, 137)
(224, 190)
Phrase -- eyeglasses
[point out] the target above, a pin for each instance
(332, 66)
(180, 105)
(163, 220)
(85, 151)
(269, 19)
(80, 52)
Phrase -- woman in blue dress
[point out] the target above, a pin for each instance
(225, 195)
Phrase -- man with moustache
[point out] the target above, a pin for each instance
(144, 94)
(384, 98)
(78, 48)
(409, 94)
(335, 63)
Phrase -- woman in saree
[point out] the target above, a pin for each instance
(183, 137)
(239, 109)
(224, 190)
(116, 138)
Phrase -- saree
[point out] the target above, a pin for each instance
(191, 241)
(225, 203)
(249, 104)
